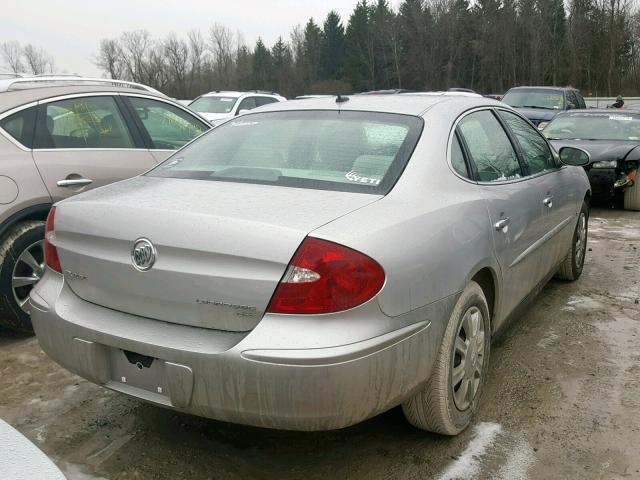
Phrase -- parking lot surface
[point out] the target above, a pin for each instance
(562, 401)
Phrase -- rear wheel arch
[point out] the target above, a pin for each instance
(32, 213)
(487, 279)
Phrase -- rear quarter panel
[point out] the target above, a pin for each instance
(431, 233)
(21, 184)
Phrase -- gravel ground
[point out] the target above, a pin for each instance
(562, 401)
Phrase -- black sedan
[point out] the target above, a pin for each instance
(612, 138)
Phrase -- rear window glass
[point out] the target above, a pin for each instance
(535, 98)
(325, 150)
(20, 126)
(213, 104)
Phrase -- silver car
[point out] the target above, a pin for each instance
(316, 263)
(60, 136)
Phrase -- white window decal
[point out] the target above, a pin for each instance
(354, 177)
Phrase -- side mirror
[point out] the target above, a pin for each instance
(571, 106)
(243, 111)
(574, 157)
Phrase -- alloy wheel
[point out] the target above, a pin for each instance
(468, 358)
(27, 271)
(581, 239)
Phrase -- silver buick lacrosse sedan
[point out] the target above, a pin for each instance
(317, 262)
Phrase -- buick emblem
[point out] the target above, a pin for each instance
(143, 254)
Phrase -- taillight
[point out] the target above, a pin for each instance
(50, 250)
(325, 277)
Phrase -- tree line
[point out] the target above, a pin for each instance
(28, 59)
(485, 45)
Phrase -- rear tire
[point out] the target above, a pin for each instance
(24, 236)
(573, 263)
(442, 406)
(632, 196)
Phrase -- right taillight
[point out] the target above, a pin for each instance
(50, 250)
(326, 277)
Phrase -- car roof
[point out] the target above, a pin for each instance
(233, 93)
(17, 98)
(405, 103)
(543, 88)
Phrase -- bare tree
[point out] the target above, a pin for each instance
(11, 53)
(222, 46)
(135, 49)
(197, 50)
(110, 58)
(38, 61)
(176, 52)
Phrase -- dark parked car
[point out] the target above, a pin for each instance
(612, 138)
(541, 104)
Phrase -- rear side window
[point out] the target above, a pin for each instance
(248, 103)
(457, 158)
(260, 101)
(85, 122)
(21, 126)
(534, 148)
(324, 150)
(168, 126)
(490, 148)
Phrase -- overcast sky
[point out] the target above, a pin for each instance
(71, 29)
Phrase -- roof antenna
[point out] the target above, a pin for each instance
(341, 99)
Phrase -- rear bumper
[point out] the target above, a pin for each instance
(246, 378)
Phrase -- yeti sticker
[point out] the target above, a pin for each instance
(354, 177)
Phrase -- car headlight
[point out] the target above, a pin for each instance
(541, 125)
(605, 164)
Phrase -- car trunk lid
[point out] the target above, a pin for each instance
(221, 247)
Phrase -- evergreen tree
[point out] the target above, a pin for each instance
(332, 47)
(262, 68)
(360, 45)
(312, 51)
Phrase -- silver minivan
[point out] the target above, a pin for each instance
(63, 135)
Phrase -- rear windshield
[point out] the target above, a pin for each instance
(213, 104)
(594, 126)
(535, 98)
(324, 150)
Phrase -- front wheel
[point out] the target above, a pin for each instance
(571, 267)
(21, 267)
(448, 402)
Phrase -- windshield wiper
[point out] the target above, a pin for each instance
(535, 106)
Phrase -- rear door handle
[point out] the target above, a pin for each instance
(502, 224)
(74, 182)
(548, 201)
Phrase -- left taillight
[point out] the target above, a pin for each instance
(326, 277)
(50, 250)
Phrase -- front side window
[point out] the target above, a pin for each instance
(85, 122)
(542, 98)
(168, 126)
(21, 126)
(534, 148)
(213, 104)
(323, 150)
(490, 148)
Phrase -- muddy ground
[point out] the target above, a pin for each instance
(562, 401)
